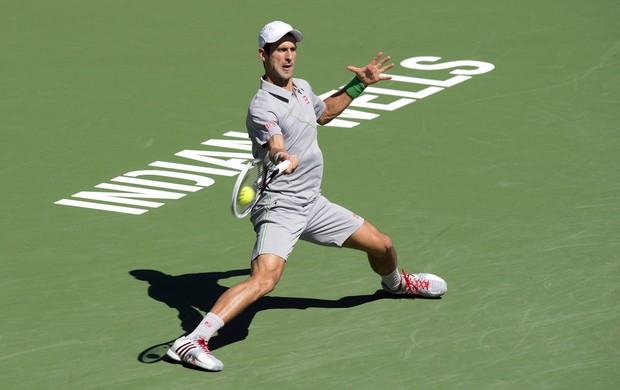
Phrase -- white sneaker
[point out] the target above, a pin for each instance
(195, 352)
(424, 285)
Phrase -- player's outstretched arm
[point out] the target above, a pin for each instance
(365, 76)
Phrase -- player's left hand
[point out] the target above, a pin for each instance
(372, 72)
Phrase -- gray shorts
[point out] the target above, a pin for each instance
(279, 226)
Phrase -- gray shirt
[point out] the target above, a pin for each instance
(275, 110)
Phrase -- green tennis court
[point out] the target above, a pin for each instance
(492, 160)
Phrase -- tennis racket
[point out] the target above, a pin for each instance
(251, 183)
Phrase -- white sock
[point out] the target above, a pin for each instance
(207, 328)
(392, 280)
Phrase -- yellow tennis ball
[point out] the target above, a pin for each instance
(246, 195)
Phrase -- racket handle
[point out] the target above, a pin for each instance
(283, 166)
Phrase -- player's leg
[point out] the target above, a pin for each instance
(333, 225)
(277, 231)
(193, 349)
(378, 246)
(383, 260)
(265, 274)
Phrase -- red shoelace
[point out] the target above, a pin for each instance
(414, 284)
(203, 344)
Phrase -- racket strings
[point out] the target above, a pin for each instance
(255, 179)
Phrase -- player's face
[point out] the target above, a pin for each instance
(279, 63)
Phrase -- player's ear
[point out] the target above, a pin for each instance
(262, 54)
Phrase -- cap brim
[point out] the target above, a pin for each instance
(297, 35)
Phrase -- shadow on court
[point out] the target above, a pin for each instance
(192, 295)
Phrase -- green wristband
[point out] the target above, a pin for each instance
(354, 88)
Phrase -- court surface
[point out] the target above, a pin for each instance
(501, 175)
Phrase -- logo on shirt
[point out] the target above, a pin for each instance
(270, 125)
(301, 92)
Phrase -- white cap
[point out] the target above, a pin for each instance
(272, 32)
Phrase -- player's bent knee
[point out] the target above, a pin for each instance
(388, 246)
(262, 285)
(266, 272)
(370, 240)
(382, 245)
(266, 286)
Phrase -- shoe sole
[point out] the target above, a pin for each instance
(430, 294)
(173, 355)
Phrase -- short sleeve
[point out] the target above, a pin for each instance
(319, 105)
(262, 125)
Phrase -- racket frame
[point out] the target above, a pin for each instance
(267, 178)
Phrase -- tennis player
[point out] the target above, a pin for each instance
(282, 124)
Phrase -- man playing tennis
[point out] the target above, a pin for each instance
(282, 124)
